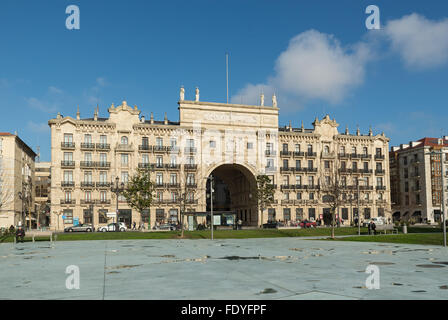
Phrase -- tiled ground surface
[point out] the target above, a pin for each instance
(287, 268)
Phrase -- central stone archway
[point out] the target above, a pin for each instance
(234, 190)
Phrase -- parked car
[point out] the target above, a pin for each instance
(165, 226)
(307, 224)
(82, 227)
(112, 227)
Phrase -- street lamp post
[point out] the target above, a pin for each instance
(22, 213)
(117, 189)
(211, 204)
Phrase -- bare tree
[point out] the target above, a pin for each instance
(333, 188)
(6, 187)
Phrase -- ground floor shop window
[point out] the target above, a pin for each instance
(286, 214)
(299, 213)
(344, 213)
(88, 216)
(271, 215)
(145, 216)
(366, 213)
(312, 213)
(102, 217)
(160, 215)
(173, 215)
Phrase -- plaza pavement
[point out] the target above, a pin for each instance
(279, 268)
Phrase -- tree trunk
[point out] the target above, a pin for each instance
(333, 215)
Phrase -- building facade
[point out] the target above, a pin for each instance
(416, 179)
(42, 191)
(17, 194)
(231, 143)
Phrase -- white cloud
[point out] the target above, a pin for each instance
(41, 105)
(420, 42)
(314, 66)
(38, 127)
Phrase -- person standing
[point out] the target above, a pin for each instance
(374, 228)
(369, 227)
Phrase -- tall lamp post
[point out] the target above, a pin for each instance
(22, 213)
(441, 153)
(117, 189)
(211, 203)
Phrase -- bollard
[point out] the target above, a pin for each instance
(33, 238)
(405, 229)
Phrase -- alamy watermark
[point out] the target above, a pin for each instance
(73, 280)
(373, 280)
(73, 20)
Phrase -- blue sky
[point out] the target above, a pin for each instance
(317, 55)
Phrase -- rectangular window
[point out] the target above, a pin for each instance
(160, 215)
(312, 213)
(212, 144)
(102, 217)
(124, 160)
(87, 138)
(286, 214)
(159, 142)
(250, 145)
(103, 139)
(344, 213)
(88, 216)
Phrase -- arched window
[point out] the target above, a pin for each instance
(124, 140)
(326, 149)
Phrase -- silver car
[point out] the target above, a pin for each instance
(82, 227)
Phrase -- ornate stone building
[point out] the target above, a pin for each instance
(233, 143)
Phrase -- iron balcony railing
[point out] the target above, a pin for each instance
(67, 163)
(67, 145)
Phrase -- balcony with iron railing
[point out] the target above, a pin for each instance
(87, 164)
(103, 146)
(173, 149)
(144, 147)
(173, 185)
(355, 156)
(87, 201)
(379, 157)
(287, 201)
(68, 145)
(366, 156)
(102, 164)
(344, 155)
(146, 165)
(87, 146)
(190, 150)
(285, 153)
(310, 154)
(87, 184)
(192, 185)
(103, 184)
(172, 166)
(287, 187)
(328, 155)
(380, 188)
(159, 148)
(67, 164)
(380, 171)
(103, 201)
(190, 166)
(67, 184)
(271, 169)
(68, 201)
(270, 152)
(299, 154)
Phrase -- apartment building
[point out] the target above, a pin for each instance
(17, 194)
(416, 179)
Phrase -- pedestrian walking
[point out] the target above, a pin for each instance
(369, 227)
(374, 228)
(133, 226)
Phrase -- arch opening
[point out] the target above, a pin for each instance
(234, 191)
